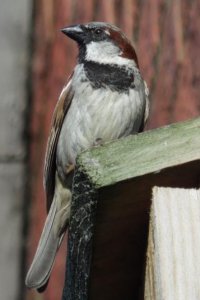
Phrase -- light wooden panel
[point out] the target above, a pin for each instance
(173, 256)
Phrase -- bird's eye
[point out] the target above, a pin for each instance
(98, 31)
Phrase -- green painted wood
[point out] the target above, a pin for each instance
(145, 153)
(110, 208)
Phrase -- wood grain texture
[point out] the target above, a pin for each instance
(148, 152)
(83, 211)
(110, 264)
(173, 260)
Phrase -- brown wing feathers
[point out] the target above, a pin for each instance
(50, 158)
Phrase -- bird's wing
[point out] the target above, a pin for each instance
(59, 114)
(146, 108)
(147, 105)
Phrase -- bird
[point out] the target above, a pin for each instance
(105, 98)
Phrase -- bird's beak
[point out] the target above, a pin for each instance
(74, 32)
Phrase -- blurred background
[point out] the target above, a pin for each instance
(35, 62)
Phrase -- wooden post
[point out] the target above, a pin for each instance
(173, 256)
(110, 208)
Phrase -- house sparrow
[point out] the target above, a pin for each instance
(105, 99)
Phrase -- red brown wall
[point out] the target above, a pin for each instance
(167, 39)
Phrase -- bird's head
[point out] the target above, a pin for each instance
(102, 43)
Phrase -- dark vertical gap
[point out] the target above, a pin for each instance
(118, 12)
(136, 30)
(74, 8)
(26, 138)
(174, 93)
(96, 9)
(163, 12)
(170, 110)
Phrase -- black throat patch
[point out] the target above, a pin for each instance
(113, 77)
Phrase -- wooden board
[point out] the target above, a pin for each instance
(110, 208)
(173, 257)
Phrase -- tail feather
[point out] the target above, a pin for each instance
(49, 243)
(51, 238)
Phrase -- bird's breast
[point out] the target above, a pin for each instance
(98, 115)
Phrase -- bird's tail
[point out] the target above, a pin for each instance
(50, 240)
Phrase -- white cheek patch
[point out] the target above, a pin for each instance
(107, 53)
(100, 50)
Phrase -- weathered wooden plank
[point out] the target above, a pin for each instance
(120, 232)
(15, 28)
(82, 223)
(111, 203)
(145, 153)
(14, 63)
(12, 177)
(173, 258)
